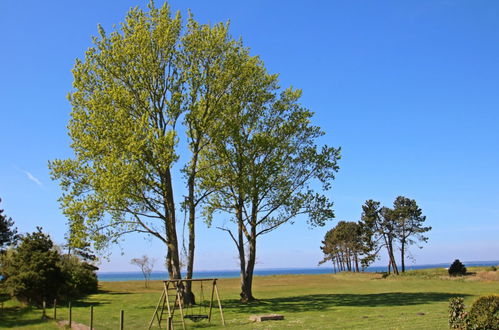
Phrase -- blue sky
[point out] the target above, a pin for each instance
(408, 89)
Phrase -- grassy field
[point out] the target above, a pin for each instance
(416, 300)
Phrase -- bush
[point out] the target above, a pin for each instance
(484, 313)
(493, 268)
(457, 268)
(458, 318)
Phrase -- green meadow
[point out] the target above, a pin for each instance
(415, 300)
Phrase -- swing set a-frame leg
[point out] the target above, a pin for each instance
(214, 290)
(179, 301)
(155, 315)
(219, 303)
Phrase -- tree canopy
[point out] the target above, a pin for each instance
(347, 246)
(402, 224)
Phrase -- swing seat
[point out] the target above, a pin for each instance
(196, 317)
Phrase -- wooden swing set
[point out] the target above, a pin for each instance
(171, 300)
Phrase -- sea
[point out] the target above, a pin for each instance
(137, 276)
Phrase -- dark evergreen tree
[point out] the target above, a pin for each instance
(8, 233)
(457, 268)
(32, 272)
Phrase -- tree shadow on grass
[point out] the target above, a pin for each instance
(14, 317)
(113, 293)
(88, 303)
(317, 302)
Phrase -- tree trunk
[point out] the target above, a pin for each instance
(402, 254)
(246, 269)
(246, 288)
(350, 261)
(392, 257)
(171, 229)
(189, 297)
(168, 263)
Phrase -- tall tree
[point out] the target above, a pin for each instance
(8, 233)
(381, 222)
(212, 62)
(409, 225)
(264, 162)
(126, 103)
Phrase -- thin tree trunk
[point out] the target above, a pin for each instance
(392, 257)
(245, 280)
(348, 260)
(188, 295)
(402, 256)
(247, 293)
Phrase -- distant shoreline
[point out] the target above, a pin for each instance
(137, 276)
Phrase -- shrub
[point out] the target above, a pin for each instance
(493, 268)
(458, 318)
(484, 313)
(457, 268)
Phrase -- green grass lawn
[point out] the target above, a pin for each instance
(417, 300)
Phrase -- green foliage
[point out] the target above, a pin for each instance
(263, 163)
(493, 268)
(129, 94)
(80, 278)
(458, 318)
(8, 233)
(35, 271)
(32, 271)
(126, 101)
(484, 313)
(457, 268)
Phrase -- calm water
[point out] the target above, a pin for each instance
(137, 276)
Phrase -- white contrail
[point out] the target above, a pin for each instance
(33, 178)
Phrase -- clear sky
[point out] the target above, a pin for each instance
(408, 89)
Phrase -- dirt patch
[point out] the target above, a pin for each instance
(78, 326)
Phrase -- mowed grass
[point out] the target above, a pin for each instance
(417, 300)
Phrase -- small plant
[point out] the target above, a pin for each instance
(458, 318)
(457, 268)
(484, 313)
(493, 268)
